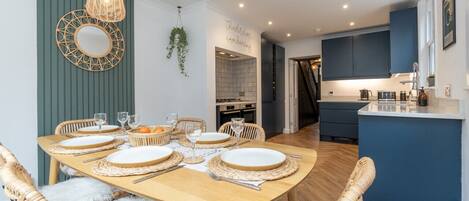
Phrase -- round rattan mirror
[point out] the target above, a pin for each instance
(89, 43)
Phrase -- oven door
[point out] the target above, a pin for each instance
(226, 116)
(249, 115)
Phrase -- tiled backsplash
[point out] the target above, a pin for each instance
(235, 78)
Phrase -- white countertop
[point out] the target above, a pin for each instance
(410, 109)
(236, 103)
(343, 99)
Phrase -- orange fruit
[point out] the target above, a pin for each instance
(144, 130)
(158, 130)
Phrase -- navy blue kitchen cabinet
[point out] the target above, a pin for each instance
(339, 119)
(337, 58)
(371, 55)
(404, 40)
(356, 57)
(416, 159)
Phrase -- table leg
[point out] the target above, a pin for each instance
(53, 171)
(292, 195)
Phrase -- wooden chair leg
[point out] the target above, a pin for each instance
(53, 171)
(292, 195)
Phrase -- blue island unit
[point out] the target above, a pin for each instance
(417, 153)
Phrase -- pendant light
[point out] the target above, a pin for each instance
(106, 10)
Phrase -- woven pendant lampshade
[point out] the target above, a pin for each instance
(106, 10)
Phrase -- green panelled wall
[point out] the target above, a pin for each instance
(66, 92)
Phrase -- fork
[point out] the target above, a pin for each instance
(218, 178)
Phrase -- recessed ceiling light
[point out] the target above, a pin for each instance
(222, 53)
(318, 29)
(288, 34)
(270, 23)
(352, 24)
(345, 6)
(241, 5)
(232, 55)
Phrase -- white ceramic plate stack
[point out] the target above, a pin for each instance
(253, 159)
(213, 138)
(86, 142)
(95, 129)
(139, 156)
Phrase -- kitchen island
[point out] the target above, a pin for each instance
(417, 151)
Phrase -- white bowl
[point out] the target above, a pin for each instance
(253, 159)
(213, 138)
(95, 129)
(139, 156)
(86, 142)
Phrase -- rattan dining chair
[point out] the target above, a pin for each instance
(183, 122)
(19, 185)
(251, 131)
(361, 179)
(63, 129)
(6, 156)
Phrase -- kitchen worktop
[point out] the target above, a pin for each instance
(410, 109)
(236, 103)
(343, 99)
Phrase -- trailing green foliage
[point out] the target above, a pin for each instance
(178, 40)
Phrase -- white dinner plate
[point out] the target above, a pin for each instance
(213, 138)
(95, 129)
(253, 159)
(139, 156)
(86, 142)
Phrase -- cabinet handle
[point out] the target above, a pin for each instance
(231, 112)
(251, 110)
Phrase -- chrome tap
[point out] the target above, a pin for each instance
(415, 77)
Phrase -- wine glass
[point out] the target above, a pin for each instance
(134, 121)
(172, 119)
(100, 120)
(193, 134)
(237, 125)
(122, 117)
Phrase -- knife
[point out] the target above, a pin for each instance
(157, 174)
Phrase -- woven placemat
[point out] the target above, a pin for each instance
(219, 168)
(78, 134)
(57, 149)
(105, 168)
(186, 143)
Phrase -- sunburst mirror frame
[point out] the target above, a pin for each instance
(66, 30)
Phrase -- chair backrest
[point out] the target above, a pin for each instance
(183, 122)
(361, 179)
(251, 131)
(6, 156)
(73, 126)
(18, 184)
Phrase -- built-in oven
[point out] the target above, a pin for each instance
(226, 112)
(249, 113)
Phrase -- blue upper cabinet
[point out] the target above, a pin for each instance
(371, 55)
(356, 57)
(404, 40)
(337, 58)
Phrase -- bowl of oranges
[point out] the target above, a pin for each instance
(150, 135)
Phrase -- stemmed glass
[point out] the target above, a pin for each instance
(100, 120)
(172, 120)
(134, 121)
(237, 125)
(193, 134)
(123, 117)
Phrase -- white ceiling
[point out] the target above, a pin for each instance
(301, 18)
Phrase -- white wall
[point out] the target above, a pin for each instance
(216, 37)
(160, 89)
(18, 101)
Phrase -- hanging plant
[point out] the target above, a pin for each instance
(178, 41)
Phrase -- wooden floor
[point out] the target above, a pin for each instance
(335, 164)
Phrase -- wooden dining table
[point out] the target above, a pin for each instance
(190, 185)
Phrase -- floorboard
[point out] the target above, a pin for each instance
(335, 164)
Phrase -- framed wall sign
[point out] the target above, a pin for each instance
(449, 23)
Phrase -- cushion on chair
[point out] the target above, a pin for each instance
(78, 189)
(68, 170)
(132, 198)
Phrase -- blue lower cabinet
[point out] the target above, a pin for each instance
(416, 159)
(339, 119)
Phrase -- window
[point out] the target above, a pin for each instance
(430, 36)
